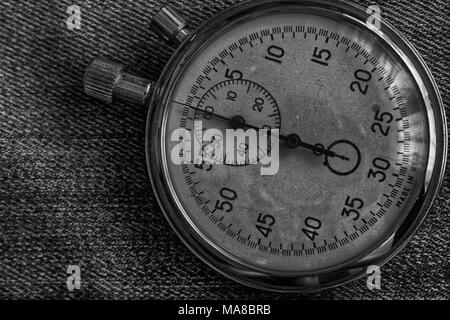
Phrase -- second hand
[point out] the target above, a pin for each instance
(293, 141)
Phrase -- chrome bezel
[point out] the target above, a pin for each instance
(222, 262)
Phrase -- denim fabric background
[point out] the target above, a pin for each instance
(74, 186)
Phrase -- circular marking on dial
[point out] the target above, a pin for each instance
(348, 162)
(237, 104)
(240, 98)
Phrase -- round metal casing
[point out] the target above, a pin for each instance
(302, 282)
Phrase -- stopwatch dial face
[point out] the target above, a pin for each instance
(327, 82)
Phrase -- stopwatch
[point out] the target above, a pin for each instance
(362, 139)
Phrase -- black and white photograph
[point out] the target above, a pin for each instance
(224, 156)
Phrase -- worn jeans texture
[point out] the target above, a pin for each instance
(74, 186)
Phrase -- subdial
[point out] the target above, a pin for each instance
(242, 102)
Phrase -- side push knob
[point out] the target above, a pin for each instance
(107, 80)
(170, 24)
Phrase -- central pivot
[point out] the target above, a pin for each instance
(238, 122)
(293, 141)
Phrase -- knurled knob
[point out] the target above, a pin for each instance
(101, 79)
(107, 80)
(170, 24)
